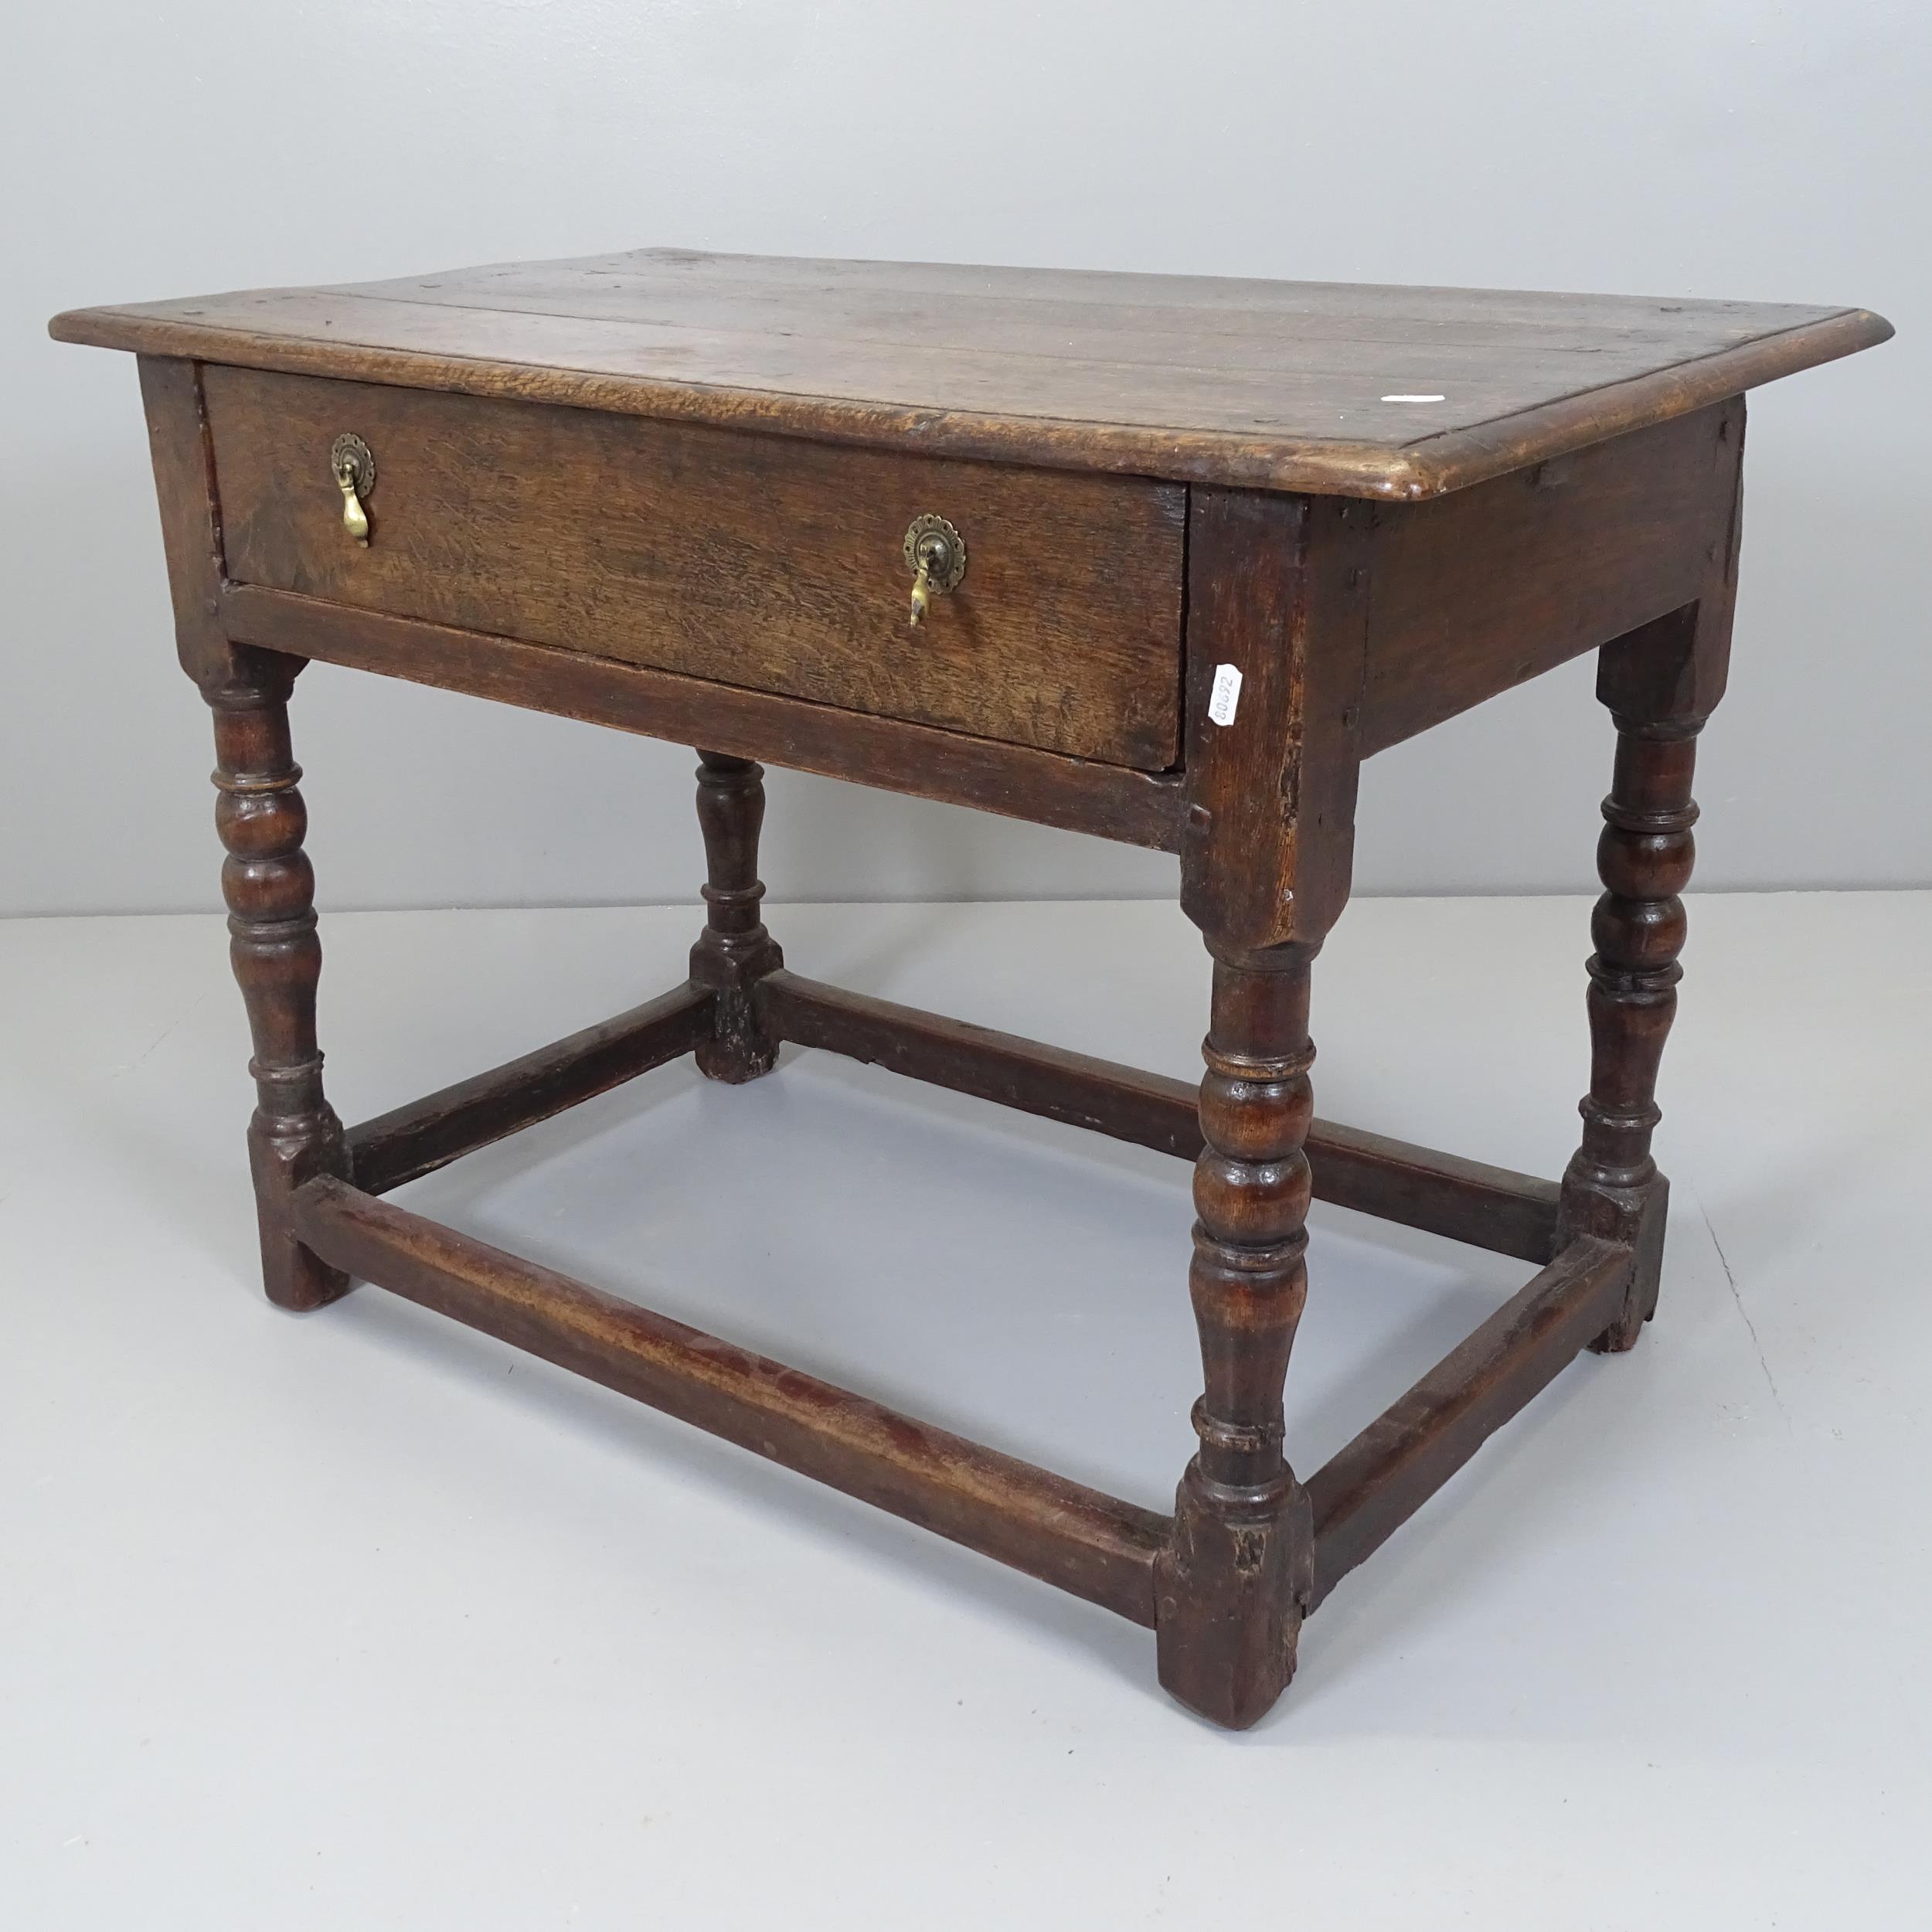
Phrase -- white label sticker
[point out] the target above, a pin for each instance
(1226, 694)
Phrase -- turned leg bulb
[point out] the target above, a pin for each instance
(1233, 1585)
(269, 889)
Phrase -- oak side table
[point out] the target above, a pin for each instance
(1158, 560)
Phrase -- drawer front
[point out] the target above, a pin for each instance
(767, 562)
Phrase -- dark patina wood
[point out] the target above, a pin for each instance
(755, 560)
(1279, 386)
(1364, 1494)
(1225, 541)
(1477, 592)
(269, 888)
(1091, 1544)
(1138, 809)
(267, 881)
(734, 951)
(1489, 1207)
(410, 1141)
(1661, 684)
(1238, 1573)
(1277, 589)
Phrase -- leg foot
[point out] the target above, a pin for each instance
(1642, 1218)
(1233, 1587)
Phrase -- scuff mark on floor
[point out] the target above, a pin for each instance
(193, 1007)
(1757, 1347)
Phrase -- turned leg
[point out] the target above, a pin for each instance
(269, 888)
(734, 951)
(1231, 1587)
(1612, 1188)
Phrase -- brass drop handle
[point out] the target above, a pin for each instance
(354, 469)
(936, 554)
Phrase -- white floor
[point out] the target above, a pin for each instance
(359, 1620)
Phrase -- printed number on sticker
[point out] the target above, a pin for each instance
(1226, 694)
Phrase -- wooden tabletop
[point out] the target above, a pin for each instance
(1334, 388)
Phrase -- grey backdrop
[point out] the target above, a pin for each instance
(1688, 147)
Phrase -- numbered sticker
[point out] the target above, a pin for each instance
(1226, 696)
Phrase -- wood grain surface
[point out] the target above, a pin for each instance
(1479, 592)
(1070, 1535)
(1327, 388)
(1076, 794)
(773, 565)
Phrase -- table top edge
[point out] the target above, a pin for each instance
(1431, 466)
